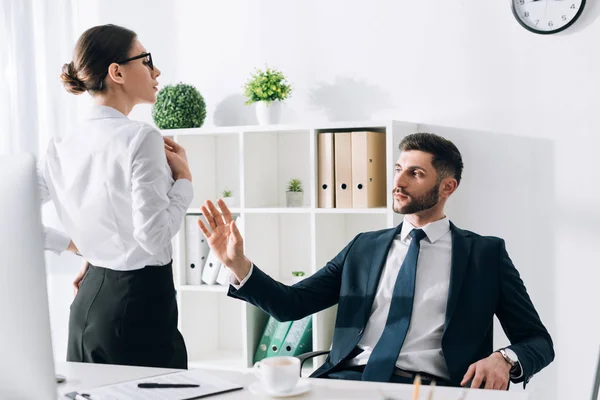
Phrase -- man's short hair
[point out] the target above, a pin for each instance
(447, 160)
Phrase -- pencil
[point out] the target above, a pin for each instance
(431, 387)
(417, 384)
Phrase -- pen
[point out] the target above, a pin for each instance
(78, 396)
(149, 385)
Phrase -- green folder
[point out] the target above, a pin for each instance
(278, 338)
(265, 340)
(298, 339)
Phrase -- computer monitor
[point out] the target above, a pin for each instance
(26, 359)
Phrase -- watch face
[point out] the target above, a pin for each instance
(547, 16)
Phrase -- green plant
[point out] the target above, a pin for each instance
(227, 193)
(295, 185)
(268, 85)
(297, 273)
(179, 106)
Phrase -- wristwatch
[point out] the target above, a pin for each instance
(510, 357)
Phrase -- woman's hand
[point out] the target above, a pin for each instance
(79, 277)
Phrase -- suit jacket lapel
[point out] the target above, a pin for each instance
(461, 247)
(381, 248)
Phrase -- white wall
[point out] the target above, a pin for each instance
(529, 103)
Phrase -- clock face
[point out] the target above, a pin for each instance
(547, 16)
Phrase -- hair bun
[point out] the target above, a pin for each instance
(70, 80)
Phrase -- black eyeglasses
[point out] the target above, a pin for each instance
(147, 62)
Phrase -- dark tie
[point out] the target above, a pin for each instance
(382, 361)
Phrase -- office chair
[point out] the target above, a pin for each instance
(307, 356)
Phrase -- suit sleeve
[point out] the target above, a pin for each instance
(529, 338)
(290, 303)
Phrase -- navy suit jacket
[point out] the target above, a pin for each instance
(483, 283)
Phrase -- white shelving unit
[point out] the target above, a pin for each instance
(256, 162)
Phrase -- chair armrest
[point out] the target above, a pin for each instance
(309, 355)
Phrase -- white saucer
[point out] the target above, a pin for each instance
(302, 387)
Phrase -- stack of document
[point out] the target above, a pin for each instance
(208, 385)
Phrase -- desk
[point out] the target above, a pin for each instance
(84, 376)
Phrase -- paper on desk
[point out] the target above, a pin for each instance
(209, 385)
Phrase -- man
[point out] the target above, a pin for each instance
(418, 298)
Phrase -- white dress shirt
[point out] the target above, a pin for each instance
(422, 348)
(114, 192)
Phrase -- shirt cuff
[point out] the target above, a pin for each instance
(516, 371)
(55, 240)
(234, 282)
(182, 188)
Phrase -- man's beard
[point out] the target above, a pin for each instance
(418, 204)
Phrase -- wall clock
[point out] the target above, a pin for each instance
(546, 17)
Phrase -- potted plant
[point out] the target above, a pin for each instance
(267, 88)
(294, 195)
(179, 106)
(297, 276)
(227, 197)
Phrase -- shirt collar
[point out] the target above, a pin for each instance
(433, 230)
(102, 112)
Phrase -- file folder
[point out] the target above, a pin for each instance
(211, 269)
(278, 338)
(368, 170)
(265, 340)
(298, 339)
(196, 251)
(326, 170)
(343, 169)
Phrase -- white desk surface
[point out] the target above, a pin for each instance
(84, 376)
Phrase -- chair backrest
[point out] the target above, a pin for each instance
(596, 388)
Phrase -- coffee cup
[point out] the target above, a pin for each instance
(278, 374)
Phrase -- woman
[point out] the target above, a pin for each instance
(121, 205)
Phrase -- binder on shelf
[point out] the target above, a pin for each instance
(326, 179)
(368, 170)
(265, 340)
(298, 339)
(342, 144)
(278, 338)
(211, 269)
(223, 276)
(196, 250)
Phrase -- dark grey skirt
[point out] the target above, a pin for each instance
(126, 318)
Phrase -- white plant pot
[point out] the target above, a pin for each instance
(296, 279)
(268, 113)
(229, 201)
(294, 199)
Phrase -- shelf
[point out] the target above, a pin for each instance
(231, 130)
(256, 163)
(381, 210)
(223, 359)
(277, 210)
(233, 210)
(298, 210)
(204, 288)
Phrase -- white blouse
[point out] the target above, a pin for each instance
(114, 192)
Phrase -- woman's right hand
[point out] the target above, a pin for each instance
(79, 277)
(177, 159)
